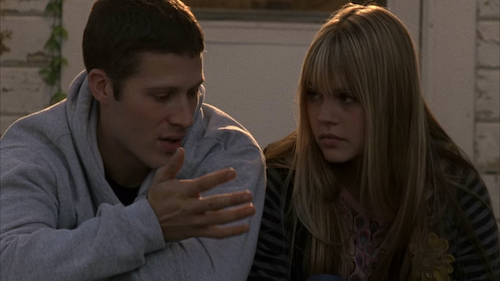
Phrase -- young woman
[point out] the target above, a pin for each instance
(369, 186)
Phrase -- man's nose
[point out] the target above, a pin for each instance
(182, 114)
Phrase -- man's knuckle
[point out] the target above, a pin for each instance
(210, 205)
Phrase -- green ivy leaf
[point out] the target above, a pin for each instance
(59, 32)
(51, 80)
(57, 97)
(64, 33)
(5, 34)
(52, 44)
(53, 7)
(51, 77)
(57, 62)
(52, 74)
(44, 72)
(64, 62)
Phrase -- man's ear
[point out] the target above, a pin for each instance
(100, 86)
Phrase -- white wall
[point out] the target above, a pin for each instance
(409, 12)
(487, 105)
(448, 66)
(252, 71)
(75, 17)
(22, 89)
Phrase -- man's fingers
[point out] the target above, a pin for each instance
(222, 232)
(210, 181)
(170, 170)
(221, 201)
(209, 224)
(224, 216)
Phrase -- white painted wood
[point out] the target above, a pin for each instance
(265, 33)
(75, 17)
(448, 66)
(252, 69)
(445, 32)
(408, 11)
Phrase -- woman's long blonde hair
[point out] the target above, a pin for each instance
(369, 50)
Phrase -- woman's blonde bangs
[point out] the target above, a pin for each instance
(324, 70)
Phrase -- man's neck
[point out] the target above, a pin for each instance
(124, 176)
(125, 169)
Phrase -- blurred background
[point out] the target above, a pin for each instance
(254, 52)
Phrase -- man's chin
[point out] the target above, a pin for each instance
(161, 161)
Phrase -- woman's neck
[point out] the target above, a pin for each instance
(348, 176)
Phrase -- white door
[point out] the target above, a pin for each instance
(445, 32)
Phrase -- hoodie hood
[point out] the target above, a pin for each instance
(83, 114)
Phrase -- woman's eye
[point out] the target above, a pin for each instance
(311, 95)
(347, 98)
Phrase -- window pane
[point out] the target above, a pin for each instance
(290, 5)
(274, 10)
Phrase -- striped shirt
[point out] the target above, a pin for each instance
(272, 258)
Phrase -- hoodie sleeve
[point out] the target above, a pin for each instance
(214, 259)
(36, 242)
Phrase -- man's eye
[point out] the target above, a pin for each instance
(193, 94)
(162, 97)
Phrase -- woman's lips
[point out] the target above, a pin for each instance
(330, 140)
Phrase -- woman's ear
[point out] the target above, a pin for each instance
(100, 86)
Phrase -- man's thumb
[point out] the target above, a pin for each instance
(174, 164)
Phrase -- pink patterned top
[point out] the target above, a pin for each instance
(366, 236)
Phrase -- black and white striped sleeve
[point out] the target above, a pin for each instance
(272, 255)
(476, 206)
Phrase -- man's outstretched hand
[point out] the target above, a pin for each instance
(183, 213)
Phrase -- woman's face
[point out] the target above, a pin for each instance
(337, 123)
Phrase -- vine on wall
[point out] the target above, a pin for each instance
(4, 36)
(52, 73)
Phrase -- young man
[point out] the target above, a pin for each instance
(133, 175)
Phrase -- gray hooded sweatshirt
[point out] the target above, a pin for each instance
(60, 219)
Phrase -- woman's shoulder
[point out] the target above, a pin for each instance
(468, 222)
(277, 168)
(474, 227)
(468, 183)
(279, 179)
(279, 158)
